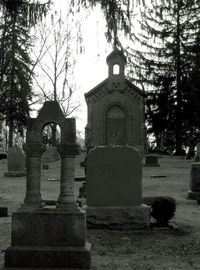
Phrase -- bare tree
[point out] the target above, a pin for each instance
(55, 64)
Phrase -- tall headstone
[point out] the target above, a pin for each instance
(197, 154)
(114, 188)
(45, 237)
(15, 162)
(115, 109)
(194, 192)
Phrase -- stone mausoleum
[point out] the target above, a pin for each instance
(115, 108)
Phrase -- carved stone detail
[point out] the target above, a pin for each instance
(34, 149)
(68, 150)
(133, 94)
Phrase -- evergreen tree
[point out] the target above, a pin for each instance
(167, 61)
(15, 64)
(118, 15)
(32, 10)
(15, 70)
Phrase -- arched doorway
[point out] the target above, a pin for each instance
(115, 126)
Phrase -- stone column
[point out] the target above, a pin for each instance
(34, 153)
(67, 197)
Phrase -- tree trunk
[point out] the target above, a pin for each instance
(53, 134)
(178, 129)
(10, 134)
(12, 85)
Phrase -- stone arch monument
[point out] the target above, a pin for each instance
(45, 237)
(115, 92)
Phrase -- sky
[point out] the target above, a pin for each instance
(90, 68)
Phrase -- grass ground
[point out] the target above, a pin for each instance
(127, 250)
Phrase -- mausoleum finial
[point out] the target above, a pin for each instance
(116, 61)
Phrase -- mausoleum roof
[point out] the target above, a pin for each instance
(116, 54)
(103, 84)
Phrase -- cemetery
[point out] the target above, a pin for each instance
(155, 248)
(122, 192)
(114, 205)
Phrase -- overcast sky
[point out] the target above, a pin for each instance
(91, 67)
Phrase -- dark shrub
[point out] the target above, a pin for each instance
(163, 209)
(3, 156)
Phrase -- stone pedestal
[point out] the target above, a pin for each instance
(118, 218)
(48, 238)
(194, 192)
(114, 189)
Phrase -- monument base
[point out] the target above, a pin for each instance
(48, 257)
(152, 165)
(119, 218)
(193, 195)
(15, 174)
(48, 238)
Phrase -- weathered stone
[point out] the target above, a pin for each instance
(115, 109)
(48, 258)
(118, 218)
(46, 227)
(194, 192)
(45, 237)
(114, 188)
(15, 162)
(151, 160)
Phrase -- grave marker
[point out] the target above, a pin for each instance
(15, 162)
(114, 188)
(194, 192)
(151, 161)
(42, 236)
(197, 154)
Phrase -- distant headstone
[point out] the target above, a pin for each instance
(45, 166)
(16, 162)
(151, 160)
(197, 154)
(194, 192)
(3, 211)
(50, 155)
(114, 188)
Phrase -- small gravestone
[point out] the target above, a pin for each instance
(50, 155)
(3, 211)
(197, 154)
(45, 166)
(151, 161)
(16, 162)
(194, 192)
(114, 189)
